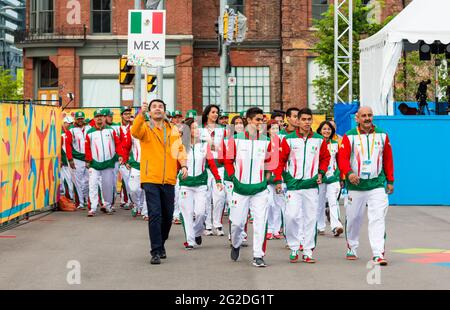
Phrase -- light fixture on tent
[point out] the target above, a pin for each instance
(424, 51)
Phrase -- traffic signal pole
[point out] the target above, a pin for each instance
(137, 70)
(223, 63)
(160, 76)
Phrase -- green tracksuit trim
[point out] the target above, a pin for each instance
(368, 184)
(133, 163)
(78, 155)
(248, 189)
(105, 164)
(196, 181)
(294, 184)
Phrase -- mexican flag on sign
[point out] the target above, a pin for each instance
(146, 37)
(140, 25)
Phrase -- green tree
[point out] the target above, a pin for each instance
(363, 26)
(9, 87)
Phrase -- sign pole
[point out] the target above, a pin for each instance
(160, 75)
(223, 63)
(137, 71)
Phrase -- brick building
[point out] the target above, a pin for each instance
(74, 46)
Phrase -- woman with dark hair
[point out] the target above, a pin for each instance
(238, 123)
(330, 187)
(213, 133)
(193, 197)
(276, 200)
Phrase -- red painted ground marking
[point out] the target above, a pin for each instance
(432, 258)
(7, 237)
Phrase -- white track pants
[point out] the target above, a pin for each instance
(136, 192)
(214, 216)
(103, 180)
(176, 204)
(125, 188)
(238, 216)
(193, 202)
(66, 182)
(301, 219)
(81, 181)
(377, 207)
(330, 193)
(276, 202)
(228, 187)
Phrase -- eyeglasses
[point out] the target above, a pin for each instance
(258, 119)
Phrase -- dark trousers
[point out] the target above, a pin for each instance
(160, 204)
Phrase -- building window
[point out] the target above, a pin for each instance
(313, 73)
(237, 5)
(318, 8)
(42, 16)
(48, 74)
(252, 88)
(101, 16)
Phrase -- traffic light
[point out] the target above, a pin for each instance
(126, 75)
(151, 83)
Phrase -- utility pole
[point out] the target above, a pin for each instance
(223, 63)
(137, 71)
(160, 75)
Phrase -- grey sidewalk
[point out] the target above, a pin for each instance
(113, 253)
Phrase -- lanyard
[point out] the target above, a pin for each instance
(362, 145)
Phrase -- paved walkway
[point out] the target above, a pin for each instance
(113, 254)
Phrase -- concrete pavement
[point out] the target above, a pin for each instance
(113, 254)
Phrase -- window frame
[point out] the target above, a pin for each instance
(241, 96)
(318, 6)
(234, 6)
(36, 11)
(101, 11)
(39, 76)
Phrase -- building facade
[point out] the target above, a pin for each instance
(12, 18)
(74, 46)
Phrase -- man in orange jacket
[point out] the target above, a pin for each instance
(162, 150)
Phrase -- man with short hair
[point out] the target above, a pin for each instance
(126, 143)
(292, 116)
(223, 119)
(103, 150)
(80, 173)
(365, 158)
(161, 151)
(246, 157)
(279, 118)
(67, 159)
(305, 155)
(177, 117)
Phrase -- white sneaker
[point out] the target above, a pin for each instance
(208, 232)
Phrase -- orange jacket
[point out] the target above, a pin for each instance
(160, 151)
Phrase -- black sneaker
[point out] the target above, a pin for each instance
(234, 253)
(198, 240)
(163, 254)
(189, 247)
(156, 260)
(258, 262)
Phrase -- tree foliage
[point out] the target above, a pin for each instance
(9, 87)
(363, 26)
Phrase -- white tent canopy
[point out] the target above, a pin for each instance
(426, 20)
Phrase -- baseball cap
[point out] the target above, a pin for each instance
(100, 112)
(123, 109)
(79, 114)
(224, 114)
(191, 114)
(177, 113)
